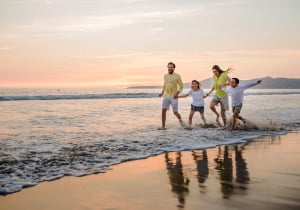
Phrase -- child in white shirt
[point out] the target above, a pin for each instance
(198, 101)
(237, 97)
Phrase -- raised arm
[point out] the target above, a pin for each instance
(228, 80)
(252, 84)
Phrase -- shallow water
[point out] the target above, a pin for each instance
(76, 134)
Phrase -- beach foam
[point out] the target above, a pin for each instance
(28, 165)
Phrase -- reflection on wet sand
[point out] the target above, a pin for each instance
(201, 161)
(242, 174)
(224, 167)
(178, 181)
(227, 163)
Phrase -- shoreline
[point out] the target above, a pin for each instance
(261, 173)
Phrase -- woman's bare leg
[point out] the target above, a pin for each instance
(213, 108)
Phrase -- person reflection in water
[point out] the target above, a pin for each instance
(178, 182)
(225, 169)
(201, 160)
(242, 174)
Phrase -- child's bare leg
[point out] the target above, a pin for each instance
(191, 117)
(213, 108)
(203, 118)
(234, 117)
(240, 118)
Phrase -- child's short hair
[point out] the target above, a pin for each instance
(236, 80)
(198, 83)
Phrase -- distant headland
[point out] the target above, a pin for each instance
(268, 83)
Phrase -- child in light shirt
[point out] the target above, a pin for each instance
(237, 97)
(198, 101)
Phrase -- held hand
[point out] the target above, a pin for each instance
(160, 95)
(176, 95)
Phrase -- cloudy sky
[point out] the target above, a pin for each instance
(129, 42)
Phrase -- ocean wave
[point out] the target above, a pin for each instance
(80, 96)
(114, 96)
(273, 93)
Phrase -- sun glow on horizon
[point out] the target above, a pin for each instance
(125, 43)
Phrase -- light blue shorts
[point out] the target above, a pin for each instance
(170, 101)
(223, 101)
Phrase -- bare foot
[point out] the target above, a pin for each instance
(161, 128)
(181, 123)
(189, 127)
(224, 121)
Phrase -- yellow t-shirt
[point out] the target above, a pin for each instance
(221, 80)
(172, 84)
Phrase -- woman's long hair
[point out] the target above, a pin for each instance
(216, 67)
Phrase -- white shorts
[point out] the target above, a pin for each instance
(170, 101)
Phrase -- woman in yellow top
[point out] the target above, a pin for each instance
(220, 78)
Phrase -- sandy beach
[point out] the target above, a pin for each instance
(261, 174)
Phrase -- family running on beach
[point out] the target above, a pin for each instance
(173, 86)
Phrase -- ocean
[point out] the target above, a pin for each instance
(46, 134)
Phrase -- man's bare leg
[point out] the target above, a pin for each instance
(178, 117)
(163, 118)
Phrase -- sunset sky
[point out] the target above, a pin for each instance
(129, 42)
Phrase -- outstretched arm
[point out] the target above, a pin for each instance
(183, 96)
(249, 85)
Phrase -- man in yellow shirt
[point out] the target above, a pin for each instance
(172, 87)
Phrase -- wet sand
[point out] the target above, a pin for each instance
(261, 174)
